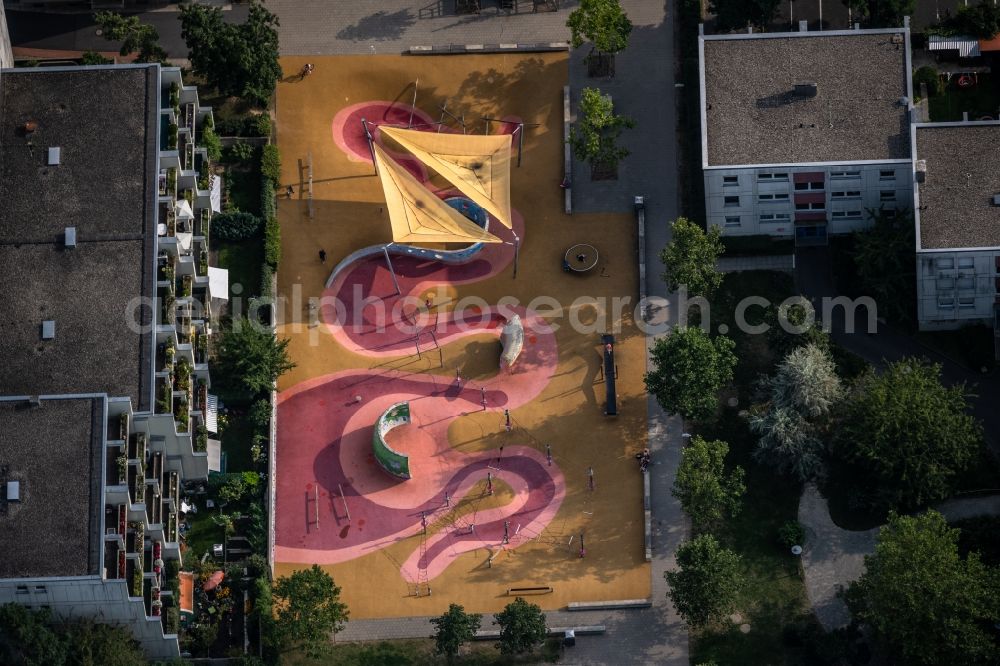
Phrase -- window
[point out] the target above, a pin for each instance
(846, 194)
(847, 214)
(809, 186)
(732, 201)
(772, 197)
(887, 174)
(966, 283)
(22, 589)
(845, 174)
(945, 284)
(40, 589)
(767, 218)
(772, 176)
(967, 302)
(966, 262)
(810, 206)
(946, 303)
(944, 263)
(732, 220)
(730, 180)
(887, 195)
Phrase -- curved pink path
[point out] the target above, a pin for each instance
(325, 432)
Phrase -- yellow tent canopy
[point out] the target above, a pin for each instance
(416, 215)
(478, 165)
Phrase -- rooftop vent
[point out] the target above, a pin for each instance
(996, 199)
(13, 491)
(70, 237)
(54, 153)
(805, 90)
(897, 38)
(29, 126)
(921, 175)
(803, 26)
(48, 329)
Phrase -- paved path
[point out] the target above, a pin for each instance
(833, 557)
(775, 262)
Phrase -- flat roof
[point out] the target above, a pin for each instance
(962, 178)
(105, 122)
(56, 452)
(752, 115)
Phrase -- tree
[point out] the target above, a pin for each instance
(737, 14)
(884, 259)
(238, 59)
(923, 601)
(929, 76)
(250, 358)
(807, 382)
(594, 135)
(602, 22)
(93, 643)
(136, 37)
(26, 638)
(707, 583)
(522, 627)
(689, 368)
(454, 628)
(308, 610)
(880, 13)
(981, 21)
(689, 259)
(787, 443)
(907, 434)
(704, 489)
(94, 58)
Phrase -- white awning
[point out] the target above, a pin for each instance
(212, 413)
(214, 455)
(183, 209)
(218, 282)
(215, 194)
(967, 47)
(184, 240)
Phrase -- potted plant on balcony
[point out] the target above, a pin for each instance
(122, 462)
(123, 426)
(187, 282)
(172, 136)
(201, 440)
(181, 415)
(137, 582)
(122, 565)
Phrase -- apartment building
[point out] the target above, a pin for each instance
(104, 384)
(957, 211)
(805, 132)
(6, 54)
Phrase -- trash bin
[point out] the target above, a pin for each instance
(569, 639)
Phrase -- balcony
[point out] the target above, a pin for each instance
(114, 561)
(116, 466)
(166, 297)
(190, 115)
(182, 415)
(188, 154)
(165, 353)
(137, 483)
(201, 347)
(204, 222)
(166, 267)
(137, 447)
(164, 395)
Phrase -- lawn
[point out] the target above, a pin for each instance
(203, 533)
(243, 260)
(420, 652)
(981, 99)
(236, 440)
(970, 346)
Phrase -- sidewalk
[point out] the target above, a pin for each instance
(776, 262)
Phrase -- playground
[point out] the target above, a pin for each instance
(462, 421)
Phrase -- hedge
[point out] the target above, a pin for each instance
(235, 226)
(267, 282)
(240, 152)
(268, 203)
(270, 164)
(272, 242)
(249, 125)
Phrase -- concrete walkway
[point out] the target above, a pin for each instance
(776, 262)
(833, 557)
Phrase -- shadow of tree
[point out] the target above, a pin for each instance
(380, 26)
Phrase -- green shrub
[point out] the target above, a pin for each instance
(270, 164)
(172, 136)
(257, 125)
(268, 203)
(232, 126)
(791, 534)
(235, 226)
(266, 282)
(272, 242)
(927, 74)
(211, 142)
(239, 152)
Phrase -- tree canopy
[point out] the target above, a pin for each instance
(136, 37)
(981, 21)
(703, 487)
(602, 22)
(522, 627)
(238, 59)
(706, 585)
(737, 14)
(689, 259)
(250, 358)
(806, 381)
(907, 434)
(787, 443)
(594, 135)
(453, 629)
(884, 259)
(923, 601)
(30, 637)
(308, 610)
(689, 369)
(880, 13)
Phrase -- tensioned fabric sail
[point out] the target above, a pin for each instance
(417, 215)
(477, 164)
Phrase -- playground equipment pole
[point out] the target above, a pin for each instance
(506, 531)
(344, 500)
(317, 505)
(447, 498)
(590, 475)
(482, 390)
(548, 454)
(520, 142)
(392, 272)
(416, 82)
(371, 148)
(506, 416)
(489, 486)
(423, 521)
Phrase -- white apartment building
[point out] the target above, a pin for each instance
(104, 399)
(957, 211)
(803, 132)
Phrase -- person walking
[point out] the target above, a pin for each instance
(322, 256)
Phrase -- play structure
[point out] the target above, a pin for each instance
(393, 462)
(511, 341)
